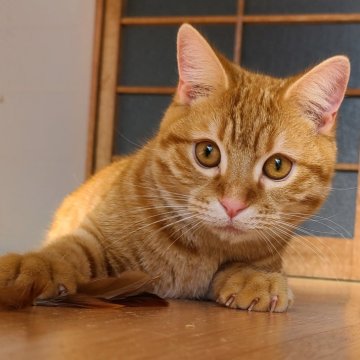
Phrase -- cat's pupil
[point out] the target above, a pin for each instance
(277, 164)
(208, 150)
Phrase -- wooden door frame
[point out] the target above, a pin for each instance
(105, 67)
(306, 256)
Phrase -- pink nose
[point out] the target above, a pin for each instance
(232, 206)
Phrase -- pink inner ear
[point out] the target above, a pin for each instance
(321, 91)
(327, 123)
(337, 92)
(193, 72)
(200, 70)
(185, 92)
(334, 101)
(181, 90)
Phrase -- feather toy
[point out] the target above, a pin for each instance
(131, 288)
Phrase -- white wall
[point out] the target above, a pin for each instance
(45, 70)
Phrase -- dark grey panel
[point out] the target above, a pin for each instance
(179, 7)
(138, 118)
(301, 6)
(283, 50)
(337, 217)
(348, 131)
(149, 52)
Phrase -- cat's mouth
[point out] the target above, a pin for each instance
(230, 228)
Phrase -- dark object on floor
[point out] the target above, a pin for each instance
(131, 288)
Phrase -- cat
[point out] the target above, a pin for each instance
(209, 204)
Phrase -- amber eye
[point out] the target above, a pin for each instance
(207, 153)
(277, 167)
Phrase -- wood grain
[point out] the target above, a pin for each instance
(303, 19)
(247, 19)
(239, 31)
(347, 167)
(352, 92)
(355, 260)
(128, 89)
(160, 90)
(108, 83)
(320, 257)
(323, 324)
(177, 20)
(94, 90)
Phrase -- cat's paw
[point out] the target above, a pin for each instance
(251, 289)
(36, 269)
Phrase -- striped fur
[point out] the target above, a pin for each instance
(158, 210)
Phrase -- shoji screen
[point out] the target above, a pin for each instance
(135, 76)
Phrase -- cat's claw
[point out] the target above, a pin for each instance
(253, 290)
(62, 290)
(273, 303)
(230, 300)
(253, 303)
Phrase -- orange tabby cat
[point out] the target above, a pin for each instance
(209, 204)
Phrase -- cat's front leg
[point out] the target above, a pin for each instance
(243, 287)
(57, 268)
(47, 276)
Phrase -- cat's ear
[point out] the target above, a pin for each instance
(320, 92)
(200, 70)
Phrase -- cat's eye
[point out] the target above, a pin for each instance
(277, 167)
(207, 153)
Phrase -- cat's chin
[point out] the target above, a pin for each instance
(228, 230)
(231, 235)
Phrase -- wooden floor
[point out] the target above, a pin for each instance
(324, 324)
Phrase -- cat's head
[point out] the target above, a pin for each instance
(241, 151)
